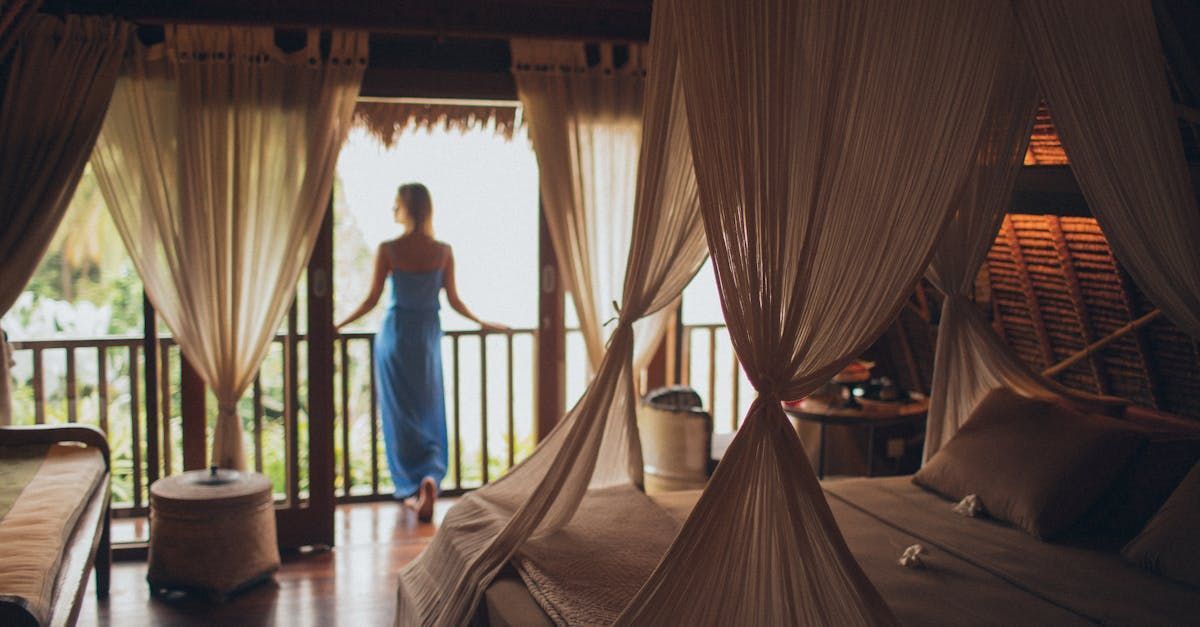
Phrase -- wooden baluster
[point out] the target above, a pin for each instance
(134, 424)
(343, 352)
(291, 394)
(39, 389)
(72, 401)
(483, 402)
(102, 385)
(736, 391)
(374, 418)
(164, 400)
(150, 354)
(712, 372)
(512, 436)
(257, 396)
(457, 419)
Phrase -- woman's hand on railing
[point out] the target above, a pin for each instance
(494, 327)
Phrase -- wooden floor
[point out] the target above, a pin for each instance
(353, 585)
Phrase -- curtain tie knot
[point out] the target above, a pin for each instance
(229, 409)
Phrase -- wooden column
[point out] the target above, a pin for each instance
(150, 350)
(550, 378)
(320, 382)
(192, 408)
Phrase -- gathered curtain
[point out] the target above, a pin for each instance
(829, 138)
(1119, 129)
(15, 17)
(216, 163)
(594, 450)
(585, 123)
(60, 79)
(969, 359)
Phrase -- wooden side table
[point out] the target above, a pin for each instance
(873, 416)
(211, 531)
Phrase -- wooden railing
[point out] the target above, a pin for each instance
(103, 382)
(474, 427)
(709, 365)
(489, 405)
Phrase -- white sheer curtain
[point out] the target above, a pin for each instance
(216, 162)
(60, 79)
(1102, 70)
(969, 359)
(585, 123)
(829, 138)
(595, 447)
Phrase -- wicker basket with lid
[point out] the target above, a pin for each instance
(211, 531)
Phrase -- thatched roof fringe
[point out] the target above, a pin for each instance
(386, 121)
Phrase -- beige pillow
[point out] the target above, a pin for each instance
(1037, 464)
(1168, 545)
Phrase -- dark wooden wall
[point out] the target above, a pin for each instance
(1051, 287)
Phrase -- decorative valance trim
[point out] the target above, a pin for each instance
(194, 43)
(387, 119)
(576, 57)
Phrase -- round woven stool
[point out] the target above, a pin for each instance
(211, 531)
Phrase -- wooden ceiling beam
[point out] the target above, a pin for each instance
(607, 20)
(1052, 189)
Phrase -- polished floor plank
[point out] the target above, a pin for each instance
(354, 584)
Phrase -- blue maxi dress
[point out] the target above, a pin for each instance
(408, 372)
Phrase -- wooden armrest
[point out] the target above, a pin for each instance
(53, 434)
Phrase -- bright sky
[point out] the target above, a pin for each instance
(485, 203)
(485, 197)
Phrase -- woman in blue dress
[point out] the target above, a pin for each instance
(408, 349)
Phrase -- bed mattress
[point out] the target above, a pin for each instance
(977, 571)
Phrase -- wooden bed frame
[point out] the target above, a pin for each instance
(89, 545)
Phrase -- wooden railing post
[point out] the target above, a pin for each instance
(150, 352)
(192, 409)
(320, 381)
(550, 380)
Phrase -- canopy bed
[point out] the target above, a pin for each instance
(793, 136)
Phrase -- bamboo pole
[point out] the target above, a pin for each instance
(1101, 343)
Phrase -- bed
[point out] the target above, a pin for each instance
(977, 571)
(54, 523)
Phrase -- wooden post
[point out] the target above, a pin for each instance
(550, 378)
(320, 381)
(194, 413)
(150, 350)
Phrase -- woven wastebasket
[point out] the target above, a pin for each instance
(211, 532)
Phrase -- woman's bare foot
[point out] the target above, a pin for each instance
(426, 497)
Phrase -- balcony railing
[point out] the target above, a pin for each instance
(489, 403)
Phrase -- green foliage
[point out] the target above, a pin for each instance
(86, 287)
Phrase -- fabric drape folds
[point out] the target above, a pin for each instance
(15, 17)
(593, 452)
(59, 82)
(969, 359)
(1119, 130)
(585, 123)
(216, 162)
(828, 140)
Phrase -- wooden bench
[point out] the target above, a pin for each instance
(87, 546)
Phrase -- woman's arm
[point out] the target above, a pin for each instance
(456, 303)
(382, 268)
